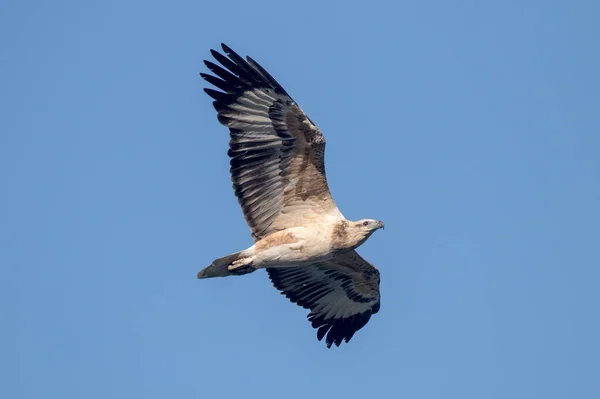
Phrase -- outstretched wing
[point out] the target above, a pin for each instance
(277, 153)
(341, 294)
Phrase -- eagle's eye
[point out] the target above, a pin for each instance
(365, 223)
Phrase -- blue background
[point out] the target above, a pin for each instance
(472, 129)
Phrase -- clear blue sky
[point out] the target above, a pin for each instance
(472, 130)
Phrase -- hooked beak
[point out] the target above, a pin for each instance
(380, 225)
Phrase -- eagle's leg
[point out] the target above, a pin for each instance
(241, 266)
(231, 265)
(241, 270)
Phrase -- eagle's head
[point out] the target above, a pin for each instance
(368, 225)
(359, 231)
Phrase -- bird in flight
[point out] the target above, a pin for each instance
(278, 172)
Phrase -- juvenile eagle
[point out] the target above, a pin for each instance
(278, 174)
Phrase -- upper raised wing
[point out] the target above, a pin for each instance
(277, 153)
(341, 294)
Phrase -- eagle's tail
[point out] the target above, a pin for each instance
(235, 264)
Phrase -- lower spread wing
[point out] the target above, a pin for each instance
(341, 294)
(277, 153)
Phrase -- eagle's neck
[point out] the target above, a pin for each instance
(345, 235)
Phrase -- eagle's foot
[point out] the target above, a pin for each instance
(241, 266)
(241, 270)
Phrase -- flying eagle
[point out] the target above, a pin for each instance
(278, 173)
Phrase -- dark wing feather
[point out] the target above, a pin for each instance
(277, 153)
(341, 294)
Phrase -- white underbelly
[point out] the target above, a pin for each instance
(300, 253)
